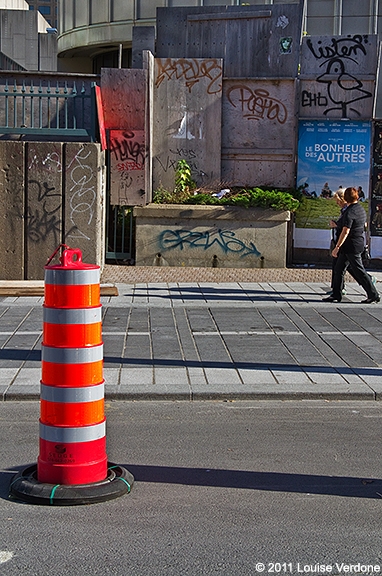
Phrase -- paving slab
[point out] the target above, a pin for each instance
(214, 334)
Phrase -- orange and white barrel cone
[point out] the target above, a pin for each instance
(72, 467)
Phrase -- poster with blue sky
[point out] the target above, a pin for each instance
(336, 153)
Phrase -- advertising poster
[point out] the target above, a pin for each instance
(331, 155)
(376, 189)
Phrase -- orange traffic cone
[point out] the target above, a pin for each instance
(72, 463)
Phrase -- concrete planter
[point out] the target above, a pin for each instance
(210, 236)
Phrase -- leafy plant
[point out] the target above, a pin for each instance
(185, 192)
(183, 178)
(184, 186)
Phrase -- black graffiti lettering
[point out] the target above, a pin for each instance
(44, 220)
(184, 153)
(225, 239)
(41, 224)
(310, 99)
(339, 47)
(127, 150)
(343, 88)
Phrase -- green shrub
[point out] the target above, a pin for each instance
(185, 192)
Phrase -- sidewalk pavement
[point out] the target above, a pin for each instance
(208, 334)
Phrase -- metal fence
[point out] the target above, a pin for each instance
(60, 108)
(120, 234)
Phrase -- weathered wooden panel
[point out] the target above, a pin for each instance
(143, 39)
(254, 40)
(259, 132)
(187, 119)
(338, 76)
(84, 200)
(12, 210)
(127, 167)
(357, 54)
(329, 97)
(124, 98)
(149, 66)
(172, 30)
(44, 205)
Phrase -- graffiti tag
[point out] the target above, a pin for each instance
(82, 193)
(127, 150)
(224, 239)
(193, 71)
(43, 221)
(257, 104)
(342, 88)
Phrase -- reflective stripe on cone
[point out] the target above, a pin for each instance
(55, 374)
(64, 406)
(72, 328)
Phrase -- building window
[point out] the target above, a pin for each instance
(31, 7)
(44, 10)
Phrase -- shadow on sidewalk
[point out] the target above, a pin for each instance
(22, 355)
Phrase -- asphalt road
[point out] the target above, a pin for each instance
(231, 488)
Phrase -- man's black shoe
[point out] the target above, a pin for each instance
(331, 299)
(371, 300)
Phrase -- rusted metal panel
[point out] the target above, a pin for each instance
(338, 76)
(187, 119)
(259, 132)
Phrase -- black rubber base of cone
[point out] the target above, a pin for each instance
(27, 488)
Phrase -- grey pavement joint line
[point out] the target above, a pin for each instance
(182, 350)
(227, 350)
(308, 335)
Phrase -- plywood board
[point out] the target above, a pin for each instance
(187, 119)
(128, 156)
(259, 132)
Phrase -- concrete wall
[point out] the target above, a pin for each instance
(21, 40)
(210, 236)
(49, 193)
